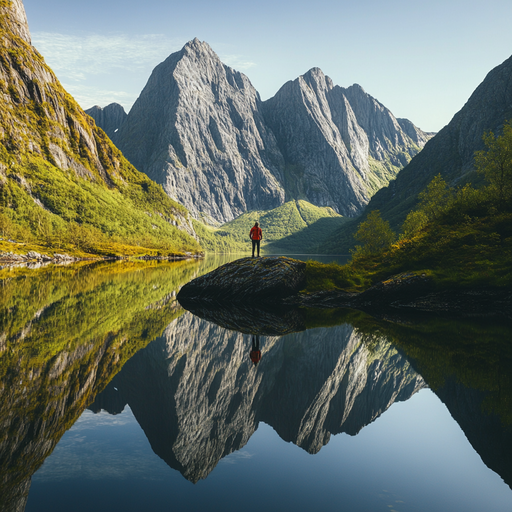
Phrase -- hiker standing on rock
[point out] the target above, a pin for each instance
(256, 236)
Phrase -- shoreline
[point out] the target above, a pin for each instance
(34, 259)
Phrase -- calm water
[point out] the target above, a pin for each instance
(112, 397)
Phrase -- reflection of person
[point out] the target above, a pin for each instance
(255, 352)
(256, 235)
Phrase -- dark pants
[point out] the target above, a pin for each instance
(255, 243)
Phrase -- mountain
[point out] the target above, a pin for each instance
(340, 145)
(449, 153)
(60, 174)
(110, 118)
(200, 129)
(198, 397)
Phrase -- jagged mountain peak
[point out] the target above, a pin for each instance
(316, 79)
(14, 18)
(199, 47)
(197, 129)
(110, 118)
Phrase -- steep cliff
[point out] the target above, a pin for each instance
(340, 145)
(197, 128)
(109, 119)
(57, 166)
(451, 152)
(198, 396)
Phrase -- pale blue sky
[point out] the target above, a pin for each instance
(420, 59)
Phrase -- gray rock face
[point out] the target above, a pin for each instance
(198, 397)
(16, 17)
(197, 129)
(200, 129)
(110, 118)
(451, 152)
(340, 145)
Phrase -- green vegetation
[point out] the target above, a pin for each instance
(63, 185)
(65, 332)
(459, 237)
(375, 235)
(294, 227)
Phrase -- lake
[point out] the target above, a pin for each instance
(113, 397)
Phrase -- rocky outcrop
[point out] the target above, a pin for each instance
(451, 152)
(197, 129)
(109, 119)
(198, 396)
(246, 281)
(200, 129)
(340, 145)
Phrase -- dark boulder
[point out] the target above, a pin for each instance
(248, 281)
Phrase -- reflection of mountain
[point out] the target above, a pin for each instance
(198, 397)
(490, 438)
(467, 364)
(63, 334)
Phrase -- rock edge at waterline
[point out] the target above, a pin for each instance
(278, 281)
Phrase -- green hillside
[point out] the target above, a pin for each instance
(294, 227)
(466, 242)
(63, 185)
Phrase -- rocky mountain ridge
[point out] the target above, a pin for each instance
(200, 129)
(110, 118)
(451, 152)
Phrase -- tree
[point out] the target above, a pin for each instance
(495, 163)
(435, 198)
(414, 221)
(375, 234)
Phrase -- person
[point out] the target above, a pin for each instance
(256, 235)
(255, 352)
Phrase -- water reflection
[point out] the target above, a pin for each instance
(107, 336)
(198, 396)
(64, 333)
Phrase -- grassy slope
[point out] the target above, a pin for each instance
(296, 226)
(470, 248)
(62, 180)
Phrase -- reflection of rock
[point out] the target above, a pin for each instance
(252, 320)
(198, 397)
(248, 280)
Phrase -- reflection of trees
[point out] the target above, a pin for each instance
(64, 333)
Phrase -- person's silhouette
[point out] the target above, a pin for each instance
(255, 352)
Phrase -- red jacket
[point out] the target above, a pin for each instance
(255, 233)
